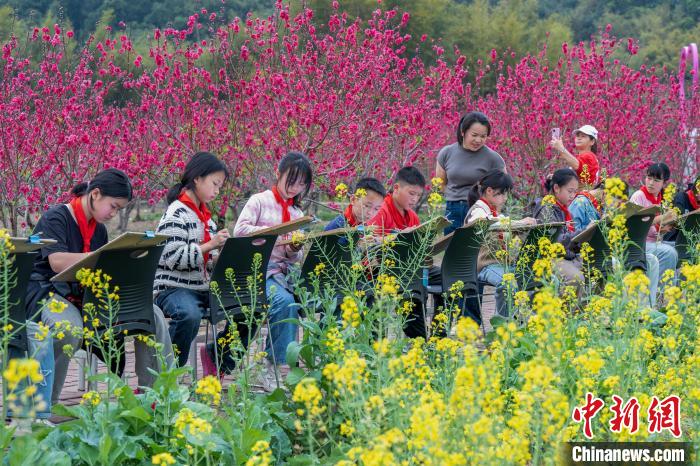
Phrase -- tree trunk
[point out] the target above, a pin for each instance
(124, 216)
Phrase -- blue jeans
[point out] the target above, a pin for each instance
(281, 306)
(185, 308)
(42, 351)
(456, 212)
(666, 254)
(493, 275)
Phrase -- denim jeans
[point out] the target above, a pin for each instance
(42, 351)
(281, 306)
(456, 212)
(185, 308)
(493, 275)
(666, 254)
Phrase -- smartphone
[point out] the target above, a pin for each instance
(556, 133)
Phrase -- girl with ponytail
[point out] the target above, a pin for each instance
(487, 199)
(78, 228)
(279, 204)
(181, 286)
(562, 187)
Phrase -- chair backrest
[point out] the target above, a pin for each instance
(238, 255)
(408, 266)
(133, 271)
(637, 230)
(334, 251)
(526, 258)
(21, 266)
(460, 260)
(689, 230)
(602, 256)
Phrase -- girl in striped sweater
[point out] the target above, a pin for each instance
(181, 287)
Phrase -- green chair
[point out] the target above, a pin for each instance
(133, 271)
(460, 264)
(21, 266)
(334, 253)
(690, 230)
(527, 256)
(238, 254)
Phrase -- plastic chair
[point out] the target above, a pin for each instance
(460, 264)
(526, 258)
(690, 230)
(21, 267)
(238, 254)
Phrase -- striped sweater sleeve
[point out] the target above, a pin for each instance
(182, 251)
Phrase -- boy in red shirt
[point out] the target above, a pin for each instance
(397, 214)
(397, 211)
(585, 162)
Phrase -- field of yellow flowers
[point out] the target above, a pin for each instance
(362, 394)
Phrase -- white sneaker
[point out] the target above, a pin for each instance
(271, 375)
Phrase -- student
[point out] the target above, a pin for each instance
(685, 201)
(361, 208)
(651, 194)
(397, 214)
(585, 162)
(78, 228)
(487, 199)
(269, 208)
(587, 207)
(462, 164)
(562, 186)
(181, 286)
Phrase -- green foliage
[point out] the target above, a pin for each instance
(475, 27)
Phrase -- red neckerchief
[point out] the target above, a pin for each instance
(350, 217)
(593, 200)
(285, 204)
(87, 229)
(567, 216)
(693, 200)
(494, 213)
(656, 200)
(408, 219)
(203, 215)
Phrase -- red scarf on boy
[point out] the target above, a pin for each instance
(285, 204)
(692, 199)
(350, 216)
(203, 215)
(87, 229)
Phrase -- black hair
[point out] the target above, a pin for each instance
(200, 165)
(495, 179)
(411, 176)
(694, 185)
(371, 184)
(659, 170)
(468, 120)
(111, 182)
(561, 177)
(297, 167)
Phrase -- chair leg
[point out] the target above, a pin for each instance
(92, 364)
(81, 359)
(193, 357)
(216, 346)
